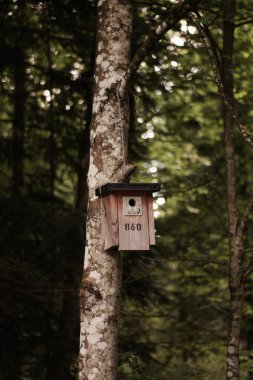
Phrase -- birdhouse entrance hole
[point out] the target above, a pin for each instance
(132, 202)
(132, 206)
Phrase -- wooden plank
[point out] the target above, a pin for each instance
(110, 222)
(133, 229)
(151, 222)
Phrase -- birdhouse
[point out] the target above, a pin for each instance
(128, 218)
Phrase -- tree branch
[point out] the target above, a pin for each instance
(174, 15)
(249, 269)
(3, 120)
(140, 315)
(245, 217)
(245, 22)
(208, 41)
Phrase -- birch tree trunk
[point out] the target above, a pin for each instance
(235, 236)
(100, 288)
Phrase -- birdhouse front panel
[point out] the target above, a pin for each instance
(133, 221)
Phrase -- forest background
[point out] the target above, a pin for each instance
(175, 299)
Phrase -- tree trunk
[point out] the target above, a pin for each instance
(100, 288)
(248, 334)
(61, 357)
(18, 124)
(235, 239)
(11, 332)
(51, 125)
(10, 351)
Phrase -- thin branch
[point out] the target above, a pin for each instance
(54, 290)
(247, 273)
(174, 15)
(6, 120)
(139, 315)
(188, 259)
(245, 217)
(245, 22)
(249, 269)
(208, 41)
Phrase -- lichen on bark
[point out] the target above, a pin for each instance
(100, 288)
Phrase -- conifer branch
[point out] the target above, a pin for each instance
(209, 43)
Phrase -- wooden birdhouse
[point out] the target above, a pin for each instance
(128, 218)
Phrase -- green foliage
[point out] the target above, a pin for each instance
(174, 301)
(185, 276)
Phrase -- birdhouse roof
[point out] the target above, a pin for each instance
(116, 187)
